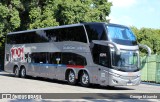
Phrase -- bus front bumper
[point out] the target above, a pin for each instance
(124, 80)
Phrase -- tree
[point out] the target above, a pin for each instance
(30, 14)
(46, 13)
(17, 15)
(149, 37)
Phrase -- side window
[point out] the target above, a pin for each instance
(27, 57)
(39, 57)
(28, 37)
(40, 36)
(12, 39)
(52, 35)
(96, 32)
(7, 57)
(100, 55)
(73, 59)
(54, 58)
(76, 33)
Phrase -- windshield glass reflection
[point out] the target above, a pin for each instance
(126, 61)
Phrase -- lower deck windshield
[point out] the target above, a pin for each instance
(127, 61)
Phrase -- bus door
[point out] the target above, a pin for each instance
(103, 70)
(60, 71)
(40, 69)
(28, 66)
(39, 64)
(60, 68)
(54, 60)
(8, 63)
(101, 57)
(50, 70)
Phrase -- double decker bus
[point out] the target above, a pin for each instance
(86, 53)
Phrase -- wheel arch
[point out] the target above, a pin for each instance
(22, 66)
(81, 71)
(67, 72)
(14, 67)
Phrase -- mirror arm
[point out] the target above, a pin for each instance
(146, 47)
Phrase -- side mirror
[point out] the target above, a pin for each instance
(146, 47)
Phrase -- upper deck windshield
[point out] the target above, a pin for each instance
(121, 35)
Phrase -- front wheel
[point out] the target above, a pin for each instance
(23, 73)
(72, 78)
(84, 79)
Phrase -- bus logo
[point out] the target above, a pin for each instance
(17, 52)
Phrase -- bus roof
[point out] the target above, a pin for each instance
(65, 26)
(56, 27)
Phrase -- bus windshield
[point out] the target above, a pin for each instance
(121, 35)
(127, 60)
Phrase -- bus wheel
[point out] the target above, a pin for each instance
(16, 72)
(23, 72)
(72, 78)
(84, 79)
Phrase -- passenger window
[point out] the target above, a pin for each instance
(73, 59)
(39, 57)
(54, 58)
(75, 33)
(95, 32)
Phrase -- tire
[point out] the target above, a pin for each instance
(16, 72)
(71, 78)
(23, 73)
(84, 79)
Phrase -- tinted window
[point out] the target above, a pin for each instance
(54, 58)
(76, 33)
(39, 57)
(73, 59)
(28, 37)
(96, 32)
(101, 55)
(58, 58)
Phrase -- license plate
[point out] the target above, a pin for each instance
(129, 83)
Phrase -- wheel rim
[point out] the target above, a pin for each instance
(71, 77)
(23, 72)
(85, 79)
(16, 72)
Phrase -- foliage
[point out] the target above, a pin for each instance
(149, 37)
(17, 15)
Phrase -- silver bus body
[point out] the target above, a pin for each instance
(56, 59)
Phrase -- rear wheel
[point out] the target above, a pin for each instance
(23, 73)
(72, 78)
(16, 72)
(84, 79)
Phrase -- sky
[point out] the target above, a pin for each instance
(138, 13)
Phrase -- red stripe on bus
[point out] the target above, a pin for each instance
(74, 66)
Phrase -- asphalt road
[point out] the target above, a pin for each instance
(11, 84)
